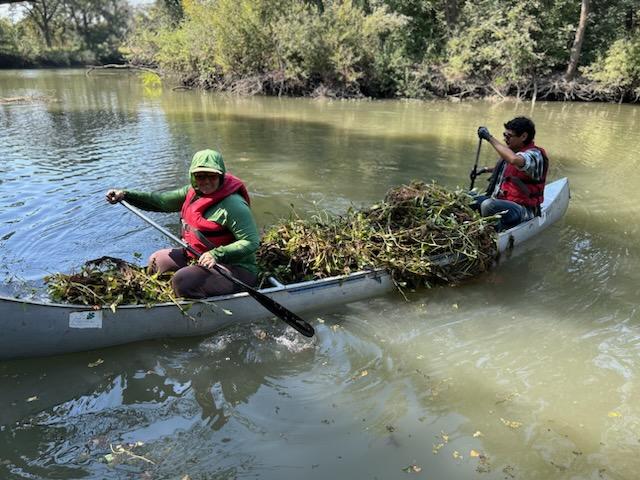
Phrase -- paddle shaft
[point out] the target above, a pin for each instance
(475, 166)
(274, 307)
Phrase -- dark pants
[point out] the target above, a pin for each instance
(194, 281)
(513, 212)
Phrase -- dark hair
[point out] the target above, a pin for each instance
(522, 125)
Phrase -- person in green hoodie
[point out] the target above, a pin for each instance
(216, 221)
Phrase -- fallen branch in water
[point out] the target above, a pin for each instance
(125, 66)
(26, 99)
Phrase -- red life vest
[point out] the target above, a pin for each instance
(520, 188)
(199, 232)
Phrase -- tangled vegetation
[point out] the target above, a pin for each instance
(109, 281)
(422, 234)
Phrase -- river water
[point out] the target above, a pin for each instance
(531, 371)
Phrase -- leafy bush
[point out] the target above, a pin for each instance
(619, 66)
(287, 45)
(494, 44)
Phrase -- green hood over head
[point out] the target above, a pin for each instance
(206, 161)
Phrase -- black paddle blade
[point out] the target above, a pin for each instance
(284, 314)
(274, 307)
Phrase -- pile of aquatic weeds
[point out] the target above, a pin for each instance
(423, 234)
(109, 281)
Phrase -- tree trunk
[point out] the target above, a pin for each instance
(175, 10)
(630, 20)
(42, 13)
(577, 42)
(451, 12)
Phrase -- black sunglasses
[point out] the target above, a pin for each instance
(508, 136)
(203, 175)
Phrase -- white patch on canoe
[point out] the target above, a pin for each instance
(92, 319)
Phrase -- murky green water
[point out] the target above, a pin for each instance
(529, 372)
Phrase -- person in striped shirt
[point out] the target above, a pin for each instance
(516, 186)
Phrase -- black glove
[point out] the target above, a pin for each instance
(483, 132)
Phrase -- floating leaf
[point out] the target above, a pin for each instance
(262, 335)
(32, 399)
(227, 312)
(412, 469)
(364, 373)
(614, 414)
(511, 423)
(456, 455)
(474, 454)
(478, 434)
(96, 363)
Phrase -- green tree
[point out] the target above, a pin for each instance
(44, 14)
(100, 25)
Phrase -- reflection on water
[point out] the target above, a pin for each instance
(527, 372)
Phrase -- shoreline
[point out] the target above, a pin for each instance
(551, 89)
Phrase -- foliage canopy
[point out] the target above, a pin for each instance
(378, 48)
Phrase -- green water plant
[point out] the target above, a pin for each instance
(423, 234)
(109, 281)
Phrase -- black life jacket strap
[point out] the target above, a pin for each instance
(522, 186)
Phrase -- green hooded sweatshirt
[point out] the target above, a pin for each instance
(232, 212)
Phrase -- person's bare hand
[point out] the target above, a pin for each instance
(115, 196)
(206, 260)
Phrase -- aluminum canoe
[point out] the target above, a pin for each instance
(32, 328)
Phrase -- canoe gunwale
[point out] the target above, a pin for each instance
(292, 287)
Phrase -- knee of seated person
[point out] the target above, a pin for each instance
(180, 283)
(486, 207)
(152, 263)
(160, 262)
(183, 284)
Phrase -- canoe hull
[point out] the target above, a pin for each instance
(36, 329)
(31, 329)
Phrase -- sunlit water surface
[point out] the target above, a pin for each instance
(528, 372)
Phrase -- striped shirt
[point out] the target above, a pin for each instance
(533, 166)
(533, 163)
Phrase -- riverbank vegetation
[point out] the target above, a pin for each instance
(62, 33)
(397, 48)
(556, 50)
